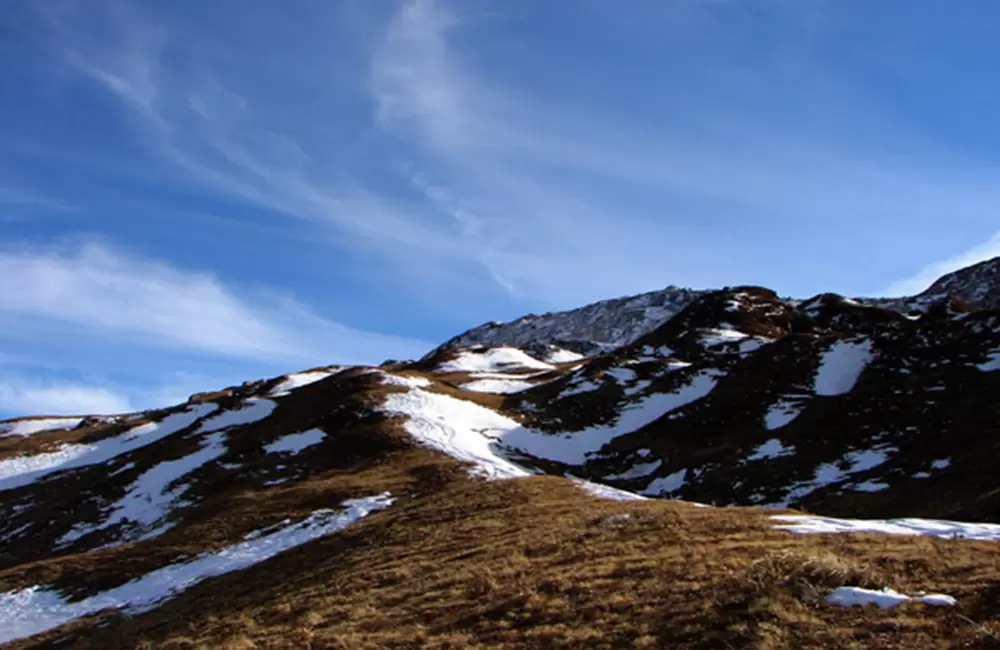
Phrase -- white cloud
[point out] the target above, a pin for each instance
(414, 76)
(100, 291)
(926, 276)
(33, 398)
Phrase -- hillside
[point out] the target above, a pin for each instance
(503, 496)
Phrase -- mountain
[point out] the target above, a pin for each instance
(541, 495)
(594, 328)
(977, 285)
(607, 324)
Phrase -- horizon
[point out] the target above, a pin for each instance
(194, 196)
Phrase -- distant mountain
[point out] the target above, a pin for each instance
(977, 285)
(561, 481)
(594, 328)
(611, 323)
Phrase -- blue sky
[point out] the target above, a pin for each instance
(193, 194)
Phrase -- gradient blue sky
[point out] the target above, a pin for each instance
(196, 193)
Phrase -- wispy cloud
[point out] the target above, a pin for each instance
(28, 397)
(99, 291)
(923, 278)
(194, 115)
(470, 176)
(497, 160)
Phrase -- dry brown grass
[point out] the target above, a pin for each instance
(808, 575)
(534, 563)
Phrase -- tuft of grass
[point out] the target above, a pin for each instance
(808, 575)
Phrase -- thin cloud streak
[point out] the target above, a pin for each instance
(20, 397)
(100, 291)
(194, 120)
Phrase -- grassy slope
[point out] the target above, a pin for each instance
(535, 563)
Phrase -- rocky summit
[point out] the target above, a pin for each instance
(681, 469)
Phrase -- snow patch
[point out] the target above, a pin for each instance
(250, 411)
(638, 388)
(499, 386)
(811, 524)
(781, 414)
(870, 486)
(714, 337)
(461, 429)
(560, 355)
(885, 599)
(992, 363)
(298, 380)
(666, 484)
(405, 380)
(587, 386)
(621, 375)
(607, 492)
(295, 442)
(841, 366)
(773, 448)
(639, 470)
(492, 359)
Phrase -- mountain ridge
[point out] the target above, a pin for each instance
(610, 323)
(721, 480)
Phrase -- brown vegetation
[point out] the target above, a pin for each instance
(534, 563)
